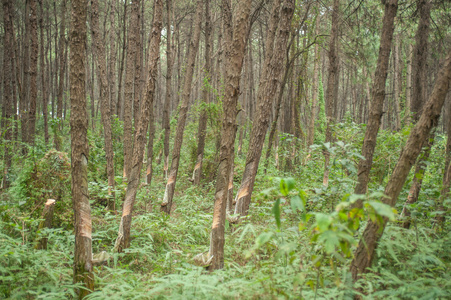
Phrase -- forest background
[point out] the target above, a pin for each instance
(225, 149)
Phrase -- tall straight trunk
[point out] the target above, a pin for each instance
(202, 130)
(24, 98)
(272, 131)
(396, 81)
(377, 97)
(269, 84)
(56, 59)
(132, 43)
(15, 79)
(112, 57)
(419, 61)
(62, 61)
(7, 88)
(167, 101)
(365, 251)
(83, 272)
(33, 71)
(123, 239)
(235, 49)
(119, 104)
(311, 133)
(149, 170)
(90, 74)
(407, 117)
(138, 62)
(419, 92)
(100, 54)
(43, 74)
(332, 81)
(440, 218)
(183, 113)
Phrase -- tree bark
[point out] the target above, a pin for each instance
(119, 104)
(100, 53)
(235, 49)
(332, 89)
(80, 151)
(43, 74)
(365, 251)
(440, 218)
(396, 86)
(417, 181)
(167, 102)
(419, 60)
(192, 53)
(123, 240)
(408, 85)
(377, 96)
(202, 130)
(47, 216)
(7, 88)
(149, 170)
(311, 133)
(419, 92)
(132, 43)
(112, 57)
(33, 71)
(269, 84)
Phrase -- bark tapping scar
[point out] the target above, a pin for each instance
(243, 192)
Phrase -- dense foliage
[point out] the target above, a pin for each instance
(296, 242)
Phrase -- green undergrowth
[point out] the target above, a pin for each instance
(296, 242)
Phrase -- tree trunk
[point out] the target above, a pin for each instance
(112, 57)
(197, 174)
(167, 102)
(272, 131)
(235, 49)
(80, 151)
(149, 170)
(419, 61)
(43, 74)
(138, 61)
(119, 104)
(311, 133)
(192, 53)
(100, 53)
(417, 181)
(365, 251)
(7, 88)
(33, 71)
(132, 38)
(419, 92)
(440, 218)
(332, 81)
(408, 85)
(396, 80)
(24, 99)
(377, 96)
(269, 83)
(47, 215)
(62, 64)
(123, 240)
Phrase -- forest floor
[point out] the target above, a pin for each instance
(262, 261)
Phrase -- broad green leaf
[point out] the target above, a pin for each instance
(286, 185)
(323, 221)
(297, 204)
(330, 240)
(276, 212)
(382, 209)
